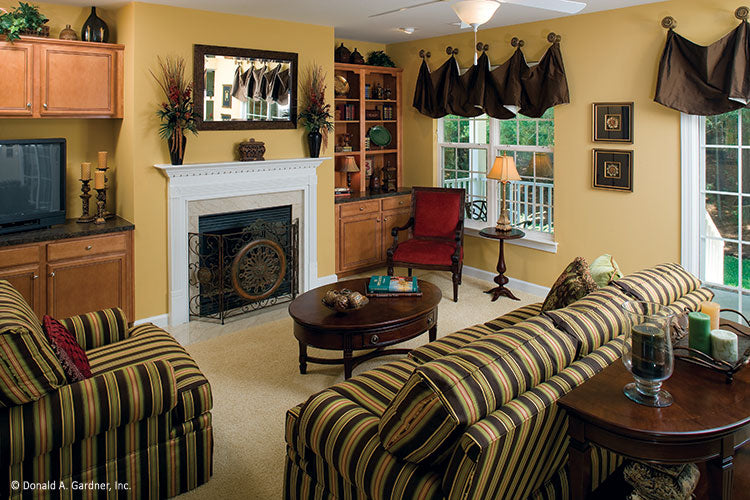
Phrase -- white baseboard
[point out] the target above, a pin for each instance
(161, 320)
(513, 283)
(324, 280)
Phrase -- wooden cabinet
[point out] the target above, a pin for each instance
(363, 231)
(63, 278)
(47, 78)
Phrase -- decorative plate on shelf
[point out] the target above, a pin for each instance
(379, 135)
(341, 86)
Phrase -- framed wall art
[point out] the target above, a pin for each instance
(613, 122)
(613, 169)
(226, 96)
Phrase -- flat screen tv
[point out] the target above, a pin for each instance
(32, 184)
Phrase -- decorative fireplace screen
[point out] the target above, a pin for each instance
(242, 271)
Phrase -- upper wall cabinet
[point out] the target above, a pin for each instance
(45, 78)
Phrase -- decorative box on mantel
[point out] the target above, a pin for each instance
(210, 188)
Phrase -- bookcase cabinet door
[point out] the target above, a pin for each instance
(16, 83)
(360, 241)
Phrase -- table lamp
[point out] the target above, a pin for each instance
(504, 170)
(349, 165)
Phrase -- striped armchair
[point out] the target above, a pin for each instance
(472, 415)
(141, 422)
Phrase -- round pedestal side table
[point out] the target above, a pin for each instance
(501, 279)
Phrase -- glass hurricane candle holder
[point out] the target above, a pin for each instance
(648, 352)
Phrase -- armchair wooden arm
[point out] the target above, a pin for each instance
(394, 233)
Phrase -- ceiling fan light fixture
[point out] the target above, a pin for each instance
(475, 12)
(409, 30)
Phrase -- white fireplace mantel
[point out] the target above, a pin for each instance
(205, 181)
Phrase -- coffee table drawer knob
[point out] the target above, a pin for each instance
(374, 339)
(429, 320)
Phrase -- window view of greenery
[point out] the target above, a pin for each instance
(727, 199)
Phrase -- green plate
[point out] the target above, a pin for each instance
(379, 135)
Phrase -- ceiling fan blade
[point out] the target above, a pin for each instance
(393, 11)
(567, 6)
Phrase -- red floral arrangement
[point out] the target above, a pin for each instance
(176, 112)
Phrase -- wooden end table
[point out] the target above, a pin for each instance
(383, 322)
(501, 279)
(708, 420)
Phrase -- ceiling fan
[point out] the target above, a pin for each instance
(566, 6)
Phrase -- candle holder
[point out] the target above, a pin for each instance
(101, 201)
(107, 213)
(85, 190)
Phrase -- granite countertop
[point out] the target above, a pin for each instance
(367, 195)
(70, 229)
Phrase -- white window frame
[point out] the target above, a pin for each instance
(537, 240)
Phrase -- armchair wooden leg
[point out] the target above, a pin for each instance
(408, 270)
(456, 282)
(390, 270)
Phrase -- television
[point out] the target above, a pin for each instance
(32, 184)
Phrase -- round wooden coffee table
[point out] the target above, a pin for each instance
(381, 323)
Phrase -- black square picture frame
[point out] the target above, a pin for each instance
(613, 122)
(613, 169)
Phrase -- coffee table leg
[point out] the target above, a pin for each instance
(348, 364)
(302, 358)
(721, 470)
(433, 333)
(579, 461)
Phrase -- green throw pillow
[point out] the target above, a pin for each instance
(604, 270)
(574, 283)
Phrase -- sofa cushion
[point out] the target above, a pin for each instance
(426, 252)
(662, 284)
(594, 320)
(443, 397)
(28, 367)
(150, 343)
(574, 283)
(691, 301)
(515, 316)
(449, 344)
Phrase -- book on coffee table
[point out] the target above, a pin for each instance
(393, 286)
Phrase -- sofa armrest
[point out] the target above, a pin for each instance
(96, 329)
(84, 409)
(527, 435)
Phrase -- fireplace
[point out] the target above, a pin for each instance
(243, 261)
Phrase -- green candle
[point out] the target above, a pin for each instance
(699, 325)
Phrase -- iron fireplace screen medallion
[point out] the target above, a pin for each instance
(258, 269)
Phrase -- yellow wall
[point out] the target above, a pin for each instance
(609, 56)
(162, 30)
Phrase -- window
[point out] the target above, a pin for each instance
(467, 148)
(718, 204)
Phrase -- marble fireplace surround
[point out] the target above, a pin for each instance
(200, 189)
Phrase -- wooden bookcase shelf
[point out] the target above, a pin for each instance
(358, 76)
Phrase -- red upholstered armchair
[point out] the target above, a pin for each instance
(437, 228)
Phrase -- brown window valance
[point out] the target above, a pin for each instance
(707, 80)
(480, 90)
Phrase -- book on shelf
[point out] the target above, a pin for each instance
(393, 286)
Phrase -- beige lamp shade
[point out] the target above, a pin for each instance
(348, 165)
(504, 169)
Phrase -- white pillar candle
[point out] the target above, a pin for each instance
(724, 346)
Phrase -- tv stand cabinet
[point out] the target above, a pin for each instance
(72, 268)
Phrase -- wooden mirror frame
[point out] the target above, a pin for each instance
(199, 53)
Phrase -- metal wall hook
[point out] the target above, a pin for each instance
(424, 54)
(742, 13)
(554, 37)
(482, 47)
(517, 42)
(451, 51)
(669, 23)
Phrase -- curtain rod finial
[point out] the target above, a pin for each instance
(554, 38)
(424, 54)
(517, 42)
(669, 23)
(451, 51)
(742, 13)
(482, 47)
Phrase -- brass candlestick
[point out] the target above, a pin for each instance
(85, 189)
(101, 201)
(107, 213)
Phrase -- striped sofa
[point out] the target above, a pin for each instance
(141, 425)
(473, 414)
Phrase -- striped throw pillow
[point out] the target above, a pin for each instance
(444, 397)
(662, 284)
(594, 320)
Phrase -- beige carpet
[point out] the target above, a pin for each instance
(254, 376)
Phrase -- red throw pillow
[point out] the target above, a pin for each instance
(72, 358)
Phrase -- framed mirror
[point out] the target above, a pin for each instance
(239, 89)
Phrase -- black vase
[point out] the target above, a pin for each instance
(94, 29)
(176, 151)
(314, 139)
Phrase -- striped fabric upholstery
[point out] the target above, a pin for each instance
(515, 316)
(150, 343)
(84, 409)
(662, 284)
(517, 449)
(691, 301)
(29, 368)
(593, 320)
(97, 329)
(443, 397)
